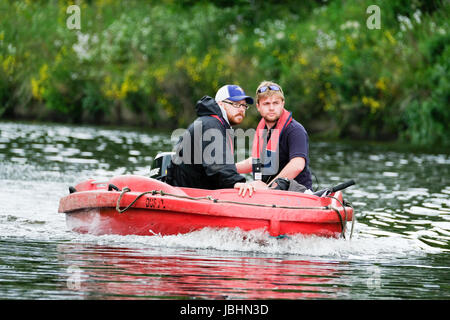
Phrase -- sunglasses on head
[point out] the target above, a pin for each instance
(271, 87)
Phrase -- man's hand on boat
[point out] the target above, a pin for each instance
(250, 187)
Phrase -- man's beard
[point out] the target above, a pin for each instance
(233, 120)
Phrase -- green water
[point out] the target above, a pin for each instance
(399, 250)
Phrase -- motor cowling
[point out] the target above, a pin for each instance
(160, 164)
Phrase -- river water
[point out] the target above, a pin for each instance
(399, 249)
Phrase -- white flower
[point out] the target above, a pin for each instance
(405, 23)
(259, 32)
(417, 15)
(11, 49)
(280, 24)
(279, 35)
(350, 25)
(81, 48)
(324, 40)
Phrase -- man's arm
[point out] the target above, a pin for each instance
(244, 166)
(292, 169)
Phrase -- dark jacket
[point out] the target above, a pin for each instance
(203, 157)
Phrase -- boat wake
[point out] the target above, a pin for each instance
(258, 242)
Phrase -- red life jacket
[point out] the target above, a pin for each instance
(271, 148)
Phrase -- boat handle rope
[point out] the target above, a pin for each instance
(344, 227)
(210, 198)
(353, 218)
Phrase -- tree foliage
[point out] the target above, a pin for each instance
(147, 63)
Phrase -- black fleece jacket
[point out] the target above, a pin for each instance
(203, 157)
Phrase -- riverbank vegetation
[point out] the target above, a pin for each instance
(147, 62)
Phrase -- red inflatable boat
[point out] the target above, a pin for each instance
(138, 205)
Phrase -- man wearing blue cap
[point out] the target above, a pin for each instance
(206, 163)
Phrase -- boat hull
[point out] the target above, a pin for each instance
(168, 210)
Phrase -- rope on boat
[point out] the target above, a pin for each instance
(353, 218)
(344, 227)
(343, 221)
(125, 190)
(210, 198)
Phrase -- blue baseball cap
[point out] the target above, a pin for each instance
(232, 92)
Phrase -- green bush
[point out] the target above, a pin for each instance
(428, 115)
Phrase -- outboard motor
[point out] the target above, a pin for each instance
(160, 164)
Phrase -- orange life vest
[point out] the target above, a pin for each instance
(268, 152)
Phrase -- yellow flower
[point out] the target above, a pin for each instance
(365, 100)
(390, 37)
(43, 73)
(160, 73)
(35, 89)
(179, 63)
(206, 61)
(336, 61)
(258, 44)
(128, 85)
(61, 53)
(9, 64)
(373, 104)
(192, 60)
(381, 84)
(302, 60)
(350, 43)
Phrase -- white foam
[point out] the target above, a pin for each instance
(259, 242)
